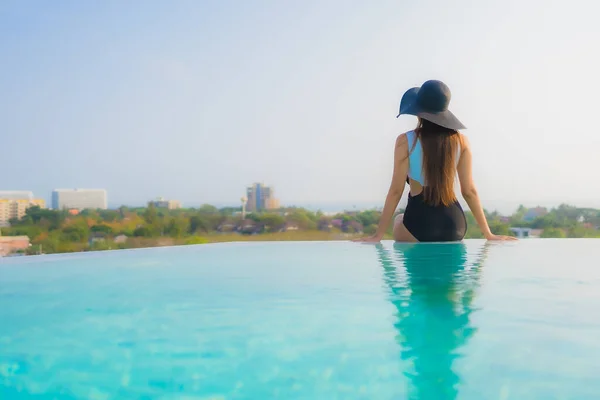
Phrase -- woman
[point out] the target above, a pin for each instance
(428, 158)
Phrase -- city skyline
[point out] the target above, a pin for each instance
(162, 102)
(328, 207)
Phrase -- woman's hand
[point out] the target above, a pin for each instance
(493, 237)
(368, 239)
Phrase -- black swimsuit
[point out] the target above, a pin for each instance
(429, 223)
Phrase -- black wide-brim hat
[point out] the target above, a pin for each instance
(430, 102)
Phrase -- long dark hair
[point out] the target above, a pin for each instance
(440, 149)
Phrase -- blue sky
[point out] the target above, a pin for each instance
(194, 100)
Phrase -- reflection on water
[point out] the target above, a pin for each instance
(433, 289)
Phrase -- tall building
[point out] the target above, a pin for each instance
(169, 204)
(261, 197)
(15, 204)
(79, 199)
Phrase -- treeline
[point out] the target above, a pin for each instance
(564, 221)
(53, 231)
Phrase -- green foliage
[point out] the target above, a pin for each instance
(545, 222)
(473, 231)
(32, 231)
(229, 211)
(150, 214)
(75, 233)
(47, 219)
(370, 229)
(109, 215)
(581, 231)
(208, 209)
(177, 227)
(553, 233)
(499, 228)
(50, 244)
(270, 221)
(198, 224)
(144, 231)
(102, 245)
(101, 228)
(196, 240)
(370, 217)
(304, 219)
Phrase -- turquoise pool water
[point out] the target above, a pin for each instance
(311, 320)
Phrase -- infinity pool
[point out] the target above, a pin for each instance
(313, 320)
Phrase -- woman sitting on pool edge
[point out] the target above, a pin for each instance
(428, 158)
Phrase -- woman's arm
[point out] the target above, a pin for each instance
(469, 191)
(396, 188)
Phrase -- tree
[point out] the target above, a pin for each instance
(272, 222)
(473, 231)
(579, 231)
(177, 227)
(229, 211)
(36, 215)
(553, 233)
(370, 217)
(101, 228)
(499, 228)
(370, 229)
(151, 215)
(32, 231)
(303, 219)
(198, 224)
(347, 223)
(50, 244)
(567, 212)
(208, 209)
(517, 218)
(109, 215)
(143, 231)
(91, 214)
(75, 233)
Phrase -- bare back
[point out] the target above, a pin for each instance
(416, 187)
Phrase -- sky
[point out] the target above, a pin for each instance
(195, 100)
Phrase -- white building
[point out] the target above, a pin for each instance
(163, 203)
(16, 195)
(527, 232)
(79, 199)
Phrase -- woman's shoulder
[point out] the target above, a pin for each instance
(406, 135)
(463, 140)
(402, 139)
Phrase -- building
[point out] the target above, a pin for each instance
(14, 206)
(162, 203)
(260, 197)
(16, 195)
(120, 239)
(527, 232)
(290, 226)
(79, 199)
(12, 244)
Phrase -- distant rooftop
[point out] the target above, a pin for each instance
(16, 195)
(80, 190)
